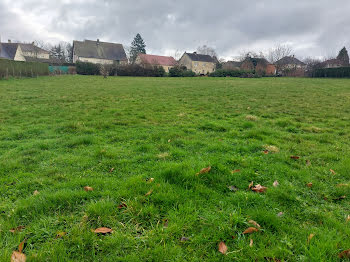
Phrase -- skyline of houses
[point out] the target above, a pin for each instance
(99, 52)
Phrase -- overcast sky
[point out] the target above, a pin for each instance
(313, 27)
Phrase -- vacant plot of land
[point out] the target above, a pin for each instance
(141, 143)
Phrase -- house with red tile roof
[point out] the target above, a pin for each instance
(166, 62)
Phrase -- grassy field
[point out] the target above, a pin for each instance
(140, 144)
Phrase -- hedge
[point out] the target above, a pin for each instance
(340, 72)
(179, 71)
(10, 68)
(231, 73)
(84, 68)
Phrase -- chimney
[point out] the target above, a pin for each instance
(9, 40)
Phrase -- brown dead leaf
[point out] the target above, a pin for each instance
(345, 254)
(308, 162)
(259, 188)
(61, 234)
(21, 246)
(112, 169)
(235, 171)
(88, 188)
(332, 171)
(309, 238)
(309, 185)
(18, 257)
(251, 185)
(222, 248)
(295, 157)
(276, 184)
(122, 205)
(348, 219)
(17, 229)
(254, 223)
(266, 152)
(36, 192)
(251, 243)
(149, 192)
(204, 170)
(103, 230)
(250, 230)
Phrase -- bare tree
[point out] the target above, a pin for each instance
(278, 52)
(206, 50)
(177, 55)
(312, 64)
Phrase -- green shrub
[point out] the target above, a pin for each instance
(230, 73)
(10, 68)
(340, 72)
(181, 71)
(138, 70)
(84, 68)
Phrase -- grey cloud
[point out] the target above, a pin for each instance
(312, 26)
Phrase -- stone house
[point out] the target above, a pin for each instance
(98, 52)
(167, 62)
(200, 64)
(23, 52)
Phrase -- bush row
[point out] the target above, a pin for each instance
(84, 68)
(10, 68)
(233, 73)
(340, 72)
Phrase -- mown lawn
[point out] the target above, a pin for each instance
(140, 142)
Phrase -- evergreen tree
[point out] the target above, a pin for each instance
(343, 55)
(137, 46)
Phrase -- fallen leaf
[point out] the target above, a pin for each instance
(233, 188)
(309, 185)
(259, 188)
(149, 192)
(169, 141)
(251, 185)
(280, 214)
(308, 162)
(345, 254)
(150, 180)
(309, 238)
(166, 222)
(332, 171)
(276, 184)
(251, 243)
(88, 188)
(254, 223)
(295, 157)
(222, 248)
(184, 239)
(103, 230)
(122, 205)
(21, 246)
(235, 171)
(348, 219)
(61, 234)
(17, 229)
(272, 149)
(36, 192)
(342, 185)
(18, 257)
(250, 230)
(266, 152)
(112, 169)
(204, 170)
(251, 118)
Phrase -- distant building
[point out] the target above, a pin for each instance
(99, 52)
(231, 65)
(23, 52)
(334, 63)
(290, 66)
(259, 65)
(167, 62)
(200, 64)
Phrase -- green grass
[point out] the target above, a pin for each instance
(60, 134)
